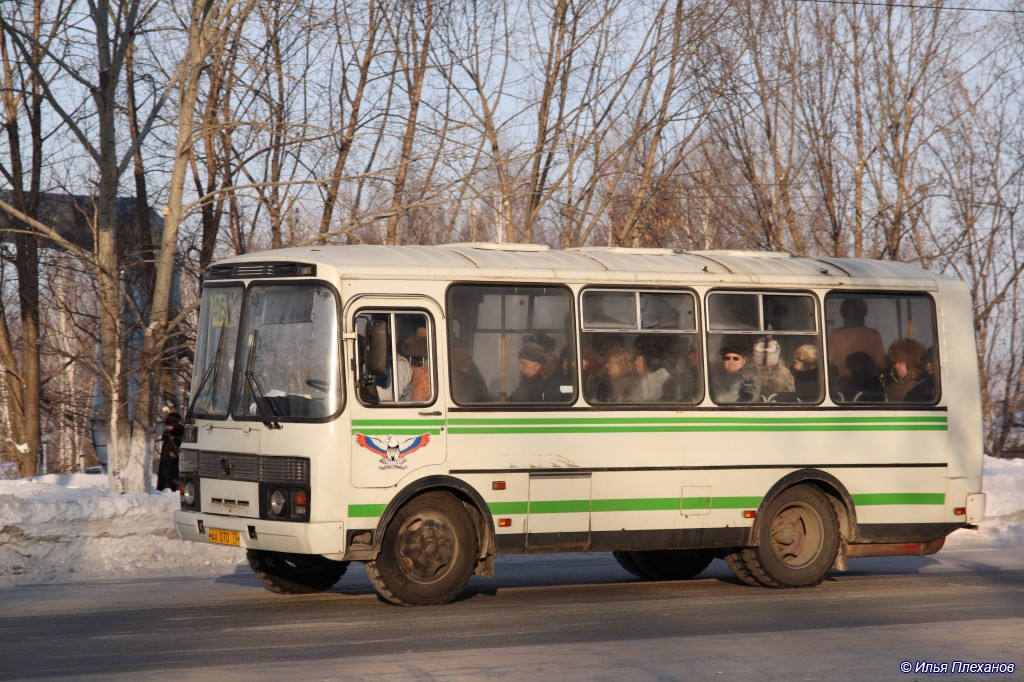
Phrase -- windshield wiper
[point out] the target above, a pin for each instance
(268, 411)
(199, 390)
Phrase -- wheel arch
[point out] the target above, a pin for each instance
(830, 486)
(483, 521)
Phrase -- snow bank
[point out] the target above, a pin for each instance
(61, 526)
(56, 527)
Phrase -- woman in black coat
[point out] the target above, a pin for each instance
(170, 443)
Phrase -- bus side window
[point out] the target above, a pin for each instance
(511, 343)
(640, 347)
(763, 347)
(882, 347)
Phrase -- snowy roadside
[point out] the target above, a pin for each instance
(61, 527)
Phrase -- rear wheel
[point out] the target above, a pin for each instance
(628, 562)
(427, 553)
(798, 539)
(672, 564)
(295, 573)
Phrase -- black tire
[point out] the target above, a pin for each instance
(427, 554)
(739, 568)
(798, 539)
(295, 573)
(627, 562)
(672, 564)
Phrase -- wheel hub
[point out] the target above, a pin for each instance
(427, 548)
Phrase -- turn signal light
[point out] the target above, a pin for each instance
(504, 523)
(960, 511)
(750, 513)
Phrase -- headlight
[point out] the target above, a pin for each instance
(278, 502)
(188, 493)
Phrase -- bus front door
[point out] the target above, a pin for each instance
(398, 413)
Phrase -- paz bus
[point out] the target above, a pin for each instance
(422, 409)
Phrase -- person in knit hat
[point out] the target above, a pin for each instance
(538, 380)
(774, 376)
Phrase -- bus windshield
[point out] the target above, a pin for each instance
(215, 350)
(289, 365)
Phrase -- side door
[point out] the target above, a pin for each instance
(398, 412)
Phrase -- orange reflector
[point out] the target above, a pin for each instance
(497, 485)
(750, 513)
(960, 511)
(504, 523)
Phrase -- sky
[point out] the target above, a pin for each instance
(66, 528)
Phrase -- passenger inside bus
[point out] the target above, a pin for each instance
(468, 385)
(863, 382)
(924, 390)
(806, 381)
(774, 377)
(656, 381)
(732, 380)
(417, 379)
(539, 381)
(905, 360)
(853, 337)
(618, 382)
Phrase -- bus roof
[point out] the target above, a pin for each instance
(525, 262)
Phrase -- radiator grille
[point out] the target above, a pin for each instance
(238, 467)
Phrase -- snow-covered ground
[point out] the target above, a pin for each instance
(58, 527)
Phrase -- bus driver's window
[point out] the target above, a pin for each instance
(395, 352)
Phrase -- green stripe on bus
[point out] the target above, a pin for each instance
(657, 504)
(706, 428)
(508, 507)
(506, 421)
(397, 432)
(367, 511)
(507, 425)
(370, 423)
(559, 506)
(865, 499)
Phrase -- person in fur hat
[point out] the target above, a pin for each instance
(732, 379)
(774, 377)
(905, 357)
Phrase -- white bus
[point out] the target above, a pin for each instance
(424, 408)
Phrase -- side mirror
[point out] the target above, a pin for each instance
(377, 350)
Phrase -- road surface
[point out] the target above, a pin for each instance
(548, 617)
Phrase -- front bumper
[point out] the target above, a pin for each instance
(327, 539)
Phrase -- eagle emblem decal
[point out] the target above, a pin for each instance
(391, 450)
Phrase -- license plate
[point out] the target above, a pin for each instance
(223, 537)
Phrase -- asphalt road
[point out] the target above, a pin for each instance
(547, 617)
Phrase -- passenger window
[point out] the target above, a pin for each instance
(395, 358)
(881, 348)
(640, 347)
(511, 344)
(763, 347)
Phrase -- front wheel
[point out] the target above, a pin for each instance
(295, 573)
(798, 539)
(427, 554)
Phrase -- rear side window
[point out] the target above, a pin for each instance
(882, 348)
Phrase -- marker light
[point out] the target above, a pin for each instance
(497, 485)
(750, 513)
(504, 523)
(960, 511)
